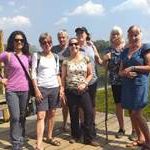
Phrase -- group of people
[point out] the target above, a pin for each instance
(65, 76)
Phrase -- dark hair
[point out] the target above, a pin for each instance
(132, 27)
(10, 42)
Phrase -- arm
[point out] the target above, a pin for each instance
(38, 94)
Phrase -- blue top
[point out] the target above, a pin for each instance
(88, 51)
(135, 91)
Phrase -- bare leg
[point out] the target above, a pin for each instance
(65, 116)
(135, 120)
(51, 122)
(120, 115)
(143, 125)
(40, 127)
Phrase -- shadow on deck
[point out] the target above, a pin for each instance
(111, 144)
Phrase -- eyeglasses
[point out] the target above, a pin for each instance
(46, 42)
(19, 40)
(71, 44)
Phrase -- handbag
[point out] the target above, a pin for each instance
(31, 87)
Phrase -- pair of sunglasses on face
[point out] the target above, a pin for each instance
(19, 40)
(75, 43)
(46, 42)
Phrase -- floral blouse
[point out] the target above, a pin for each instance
(76, 72)
(113, 66)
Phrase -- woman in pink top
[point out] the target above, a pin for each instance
(16, 85)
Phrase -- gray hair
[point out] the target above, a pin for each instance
(117, 29)
(43, 36)
(63, 31)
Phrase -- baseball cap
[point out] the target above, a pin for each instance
(81, 29)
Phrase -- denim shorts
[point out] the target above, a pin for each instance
(50, 99)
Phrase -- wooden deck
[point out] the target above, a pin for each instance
(112, 144)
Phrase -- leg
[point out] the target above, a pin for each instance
(15, 126)
(40, 127)
(51, 122)
(23, 101)
(92, 93)
(142, 125)
(65, 116)
(74, 114)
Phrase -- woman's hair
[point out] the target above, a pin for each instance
(132, 27)
(73, 39)
(10, 42)
(63, 31)
(43, 36)
(117, 29)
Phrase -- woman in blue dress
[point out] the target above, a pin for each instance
(134, 69)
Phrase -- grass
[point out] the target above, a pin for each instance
(100, 103)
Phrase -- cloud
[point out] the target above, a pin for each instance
(17, 21)
(88, 8)
(62, 20)
(142, 5)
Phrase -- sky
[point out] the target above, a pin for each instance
(99, 16)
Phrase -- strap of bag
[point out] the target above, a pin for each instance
(23, 67)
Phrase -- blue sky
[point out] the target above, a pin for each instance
(99, 16)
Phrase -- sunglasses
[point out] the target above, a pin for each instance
(19, 40)
(46, 42)
(76, 44)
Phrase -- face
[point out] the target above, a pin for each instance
(74, 46)
(63, 39)
(115, 38)
(46, 44)
(135, 36)
(81, 36)
(18, 42)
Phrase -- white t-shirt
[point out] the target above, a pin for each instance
(47, 71)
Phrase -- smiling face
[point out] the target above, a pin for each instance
(18, 42)
(135, 36)
(63, 38)
(115, 38)
(81, 36)
(74, 46)
(46, 44)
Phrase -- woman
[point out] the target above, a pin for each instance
(112, 59)
(135, 68)
(88, 49)
(16, 85)
(47, 83)
(76, 74)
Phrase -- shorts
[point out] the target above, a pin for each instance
(92, 92)
(116, 90)
(50, 99)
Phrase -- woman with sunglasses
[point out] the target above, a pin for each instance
(16, 85)
(47, 85)
(76, 74)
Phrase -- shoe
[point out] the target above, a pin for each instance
(74, 140)
(92, 143)
(135, 143)
(53, 142)
(132, 136)
(120, 133)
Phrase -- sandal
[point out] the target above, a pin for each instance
(135, 143)
(54, 142)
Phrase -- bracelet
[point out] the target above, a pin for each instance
(133, 68)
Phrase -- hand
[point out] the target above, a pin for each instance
(38, 95)
(82, 86)
(131, 74)
(4, 81)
